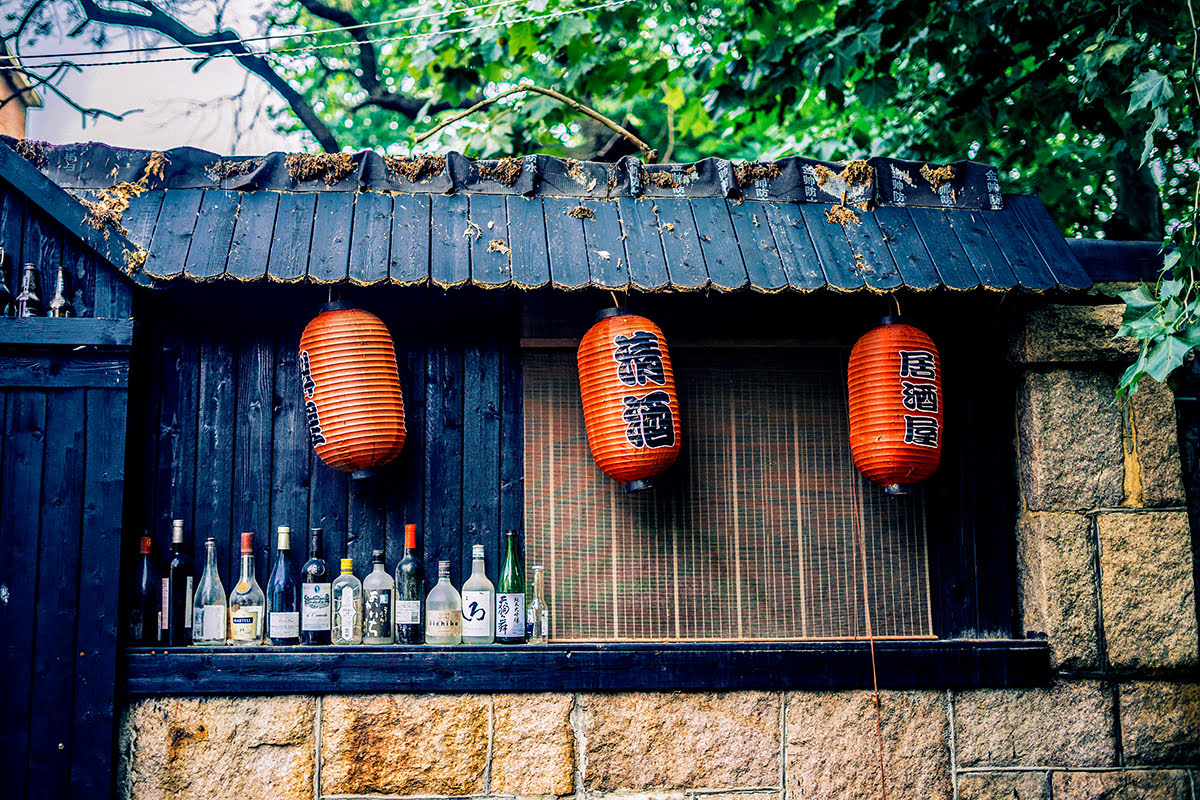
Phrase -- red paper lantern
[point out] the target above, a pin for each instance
(351, 390)
(895, 381)
(630, 407)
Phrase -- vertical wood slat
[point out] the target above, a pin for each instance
(293, 234)
(481, 442)
(176, 437)
(647, 264)
(96, 642)
(43, 249)
(719, 245)
(948, 256)
(527, 226)
(215, 439)
(12, 222)
(252, 447)
(410, 246)
(565, 243)
(443, 452)
(20, 488)
(371, 238)
(681, 243)
(449, 250)
(173, 234)
(490, 266)
(209, 252)
(512, 426)
(801, 264)
(759, 253)
(57, 594)
(608, 264)
(332, 227)
(290, 462)
(406, 475)
(253, 234)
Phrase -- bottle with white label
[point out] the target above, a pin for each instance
(347, 606)
(443, 610)
(246, 601)
(316, 602)
(410, 591)
(510, 598)
(208, 611)
(283, 595)
(379, 596)
(537, 627)
(478, 603)
(177, 599)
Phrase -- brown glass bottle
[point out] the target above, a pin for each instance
(29, 301)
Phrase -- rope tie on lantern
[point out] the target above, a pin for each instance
(862, 554)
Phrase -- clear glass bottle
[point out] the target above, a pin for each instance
(246, 601)
(410, 591)
(208, 622)
(510, 596)
(538, 615)
(478, 603)
(379, 596)
(29, 302)
(283, 595)
(60, 306)
(315, 599)
(443, 610)
(347, 606)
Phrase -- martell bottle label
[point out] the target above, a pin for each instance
(284, 624)
(408, 612)
(315, 606)
(445, 623)
(243, 623)
(377, 613)
(475, 620)
(510, 615)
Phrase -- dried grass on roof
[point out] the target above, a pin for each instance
(32, 151)
(842, 215)
(748, 172)
(221, 170)
(505, 171)
(111, 204)
(330, 167)
(581, 212)
(670, 180)
(415, 168)
(936, 176)
(854, 173)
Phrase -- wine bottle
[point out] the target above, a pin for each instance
(246, 601)
(443, 610)
(379, 592)
(510, 596)
(410, 591)
(179, 591)
(315, 598)
(208, 612)
(144, 622)
(347, 606)
(283, 595)
(60, 306)
(29, 301)
(538, 615)
(478, 603)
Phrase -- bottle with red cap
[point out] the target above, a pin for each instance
(246, 601)
(144, 620)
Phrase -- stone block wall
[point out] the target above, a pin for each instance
(1104, 556)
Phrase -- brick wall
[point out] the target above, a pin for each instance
(1105, 562)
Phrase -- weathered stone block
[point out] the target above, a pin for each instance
(1067, 725)
(639, 742)
(1004, 786)
(1069, 428)
(1071, 335)
(1147, 590)
(1126, 785)
(833, 752)
(1160, 723)
(403, 744)
(1056, 560)
(183, 748)
(1152, 436)
(533, 748)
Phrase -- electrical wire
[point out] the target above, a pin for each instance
(297, 34)
(315, 48)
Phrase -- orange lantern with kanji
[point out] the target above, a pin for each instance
(351, 390)
(895, 379)
(630, 407)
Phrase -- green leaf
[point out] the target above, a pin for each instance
(1137, 301)
(674, 98)
(1170, 288)
(1165, 357)
(1151, 88)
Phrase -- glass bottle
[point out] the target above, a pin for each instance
(443, 610)
(283, 595)
(60, 306)
(538, 616)
(410, 591)
(379, 593)
(315, 598)
(144, 622)
(6, 298)
(246, 601)
(478, 603)
(29, 301)
(208, 612)
(510, 596)
(178, 604)
(347, 606)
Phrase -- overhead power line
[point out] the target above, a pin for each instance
(297, 34)
(314, 48)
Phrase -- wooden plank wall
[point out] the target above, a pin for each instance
(63, 409)
(218, 435)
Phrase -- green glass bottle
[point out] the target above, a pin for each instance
(510, 596)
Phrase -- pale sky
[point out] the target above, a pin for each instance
(180, 107)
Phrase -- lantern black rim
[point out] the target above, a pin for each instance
(615, 311)
(334, 305)
(893, 319)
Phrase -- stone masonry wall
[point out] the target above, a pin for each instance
(1105, 572)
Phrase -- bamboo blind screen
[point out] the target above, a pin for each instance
(749, 536)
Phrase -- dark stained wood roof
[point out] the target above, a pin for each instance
(570, 225)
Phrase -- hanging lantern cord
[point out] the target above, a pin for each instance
(616, 300)
(896, 300)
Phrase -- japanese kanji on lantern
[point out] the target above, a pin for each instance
(351, 390)
(630, 407)
(895, 379)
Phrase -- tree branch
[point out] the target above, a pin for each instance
(155, 19)
(367, 58)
